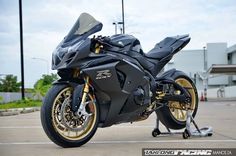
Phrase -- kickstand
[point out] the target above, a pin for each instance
(188, 132)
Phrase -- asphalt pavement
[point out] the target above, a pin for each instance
(22, 135)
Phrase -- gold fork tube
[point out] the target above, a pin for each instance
(86, 90)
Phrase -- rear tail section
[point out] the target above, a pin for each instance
(180, 43)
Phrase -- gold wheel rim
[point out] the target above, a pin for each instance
(62, 129)
(176, 109)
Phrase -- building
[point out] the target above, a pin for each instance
(195, 63)
(231, 51)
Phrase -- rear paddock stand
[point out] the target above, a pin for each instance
(188, 132)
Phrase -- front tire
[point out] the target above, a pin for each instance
(169, 116)
(60, 124)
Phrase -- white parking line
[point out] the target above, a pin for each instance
(32, 127)
(126, 142)
(25, 143)
(133, 126)
(19, 127)
(159, 141)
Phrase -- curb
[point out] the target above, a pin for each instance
(17, 111)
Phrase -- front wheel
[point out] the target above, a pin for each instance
(173, 115)
(64, 127)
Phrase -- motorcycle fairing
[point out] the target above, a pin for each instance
(105, 79)
(76, 45)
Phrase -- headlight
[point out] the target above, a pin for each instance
(65, 52)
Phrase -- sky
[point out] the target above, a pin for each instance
(46, 22)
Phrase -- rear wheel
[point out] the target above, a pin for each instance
(61, 124)
(174, 115)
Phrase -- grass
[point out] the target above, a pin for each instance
(21, 104)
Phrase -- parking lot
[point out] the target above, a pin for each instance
(23, 135)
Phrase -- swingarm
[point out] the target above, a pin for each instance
(169, 90)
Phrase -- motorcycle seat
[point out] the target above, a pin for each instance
(167, 46)
(159, 53)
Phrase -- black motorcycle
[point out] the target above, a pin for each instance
(110, 80)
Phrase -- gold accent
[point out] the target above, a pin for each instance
(177, 109)
(86, 90)
(160, 95)
(97, 48)
(62, 129)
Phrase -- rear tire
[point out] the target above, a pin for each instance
(164, 113)
(54, 133)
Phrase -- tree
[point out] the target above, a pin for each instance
(42, 85)
(1, 99)
(9, 84)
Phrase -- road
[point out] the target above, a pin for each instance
(23, 135)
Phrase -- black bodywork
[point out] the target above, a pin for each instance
(124, 78)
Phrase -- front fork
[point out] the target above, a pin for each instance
(98, 48)
(80, 93)
(86, 90)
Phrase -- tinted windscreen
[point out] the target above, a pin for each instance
(84, 24)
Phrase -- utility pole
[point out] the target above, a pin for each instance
(21, 52)
(205, 58)
(114, 23)
(205, 80)
(123, 18)
(121, 30)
